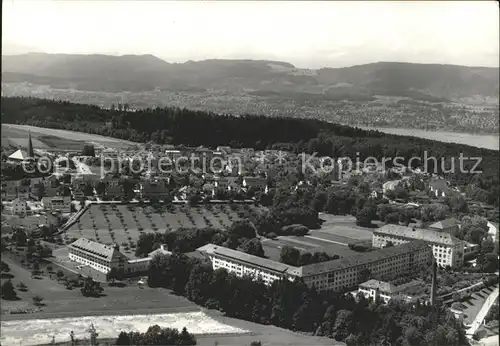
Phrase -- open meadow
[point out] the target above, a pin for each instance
(63, 140)
(124, 308)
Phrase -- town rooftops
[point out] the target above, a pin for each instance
(444, 224)
(104, 251)
(247, 259)
(363, 258)
(426, 235)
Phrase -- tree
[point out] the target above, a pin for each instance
(20, 238)
(297, 230)
(241, 229)
(289, 255)
(389, 244)
(91, 288)
(88, 150)
(93, 335)
(123, 339)
(253, 247)
(37, 300)
(364, 274)
(59, 274)
(365, 216)
(112, 275)
(8, 292)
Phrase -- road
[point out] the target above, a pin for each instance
(489, 341)
(482, 313)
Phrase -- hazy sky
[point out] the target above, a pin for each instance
(304, 33)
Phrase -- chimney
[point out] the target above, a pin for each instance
(434, 282)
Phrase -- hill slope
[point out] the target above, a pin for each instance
(146, 72)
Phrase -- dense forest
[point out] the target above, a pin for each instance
(183, 126)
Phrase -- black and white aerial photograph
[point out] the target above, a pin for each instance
(250, 173)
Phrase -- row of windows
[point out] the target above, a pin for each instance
(336, 280)
(92, 264)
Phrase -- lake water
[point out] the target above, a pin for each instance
(480, 141)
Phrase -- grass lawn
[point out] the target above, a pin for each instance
(126, 308)
(60, 302)
(344, 226)
(272, 248)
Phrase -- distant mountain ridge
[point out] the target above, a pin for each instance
(107, 73)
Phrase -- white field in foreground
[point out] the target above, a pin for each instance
(35, 332)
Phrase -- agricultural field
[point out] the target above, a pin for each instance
(123, 224)
(45, 138)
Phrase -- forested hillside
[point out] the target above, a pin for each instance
(182, 126)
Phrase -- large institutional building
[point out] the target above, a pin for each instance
(103, 257)
(448, 250)
(337, 274)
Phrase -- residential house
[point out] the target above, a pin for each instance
(57, 203)
(439, 187)
(78, 193)
(256, 183)
(18, 207)
(225, 150)
(155, 187)
(23, 192)
(385, 291)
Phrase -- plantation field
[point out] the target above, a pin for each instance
(123, 224)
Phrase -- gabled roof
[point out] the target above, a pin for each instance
(19, 155)
(382, 286)
(426, 235)
(444, 224)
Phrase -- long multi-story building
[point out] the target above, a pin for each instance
(96, 255)
(447, 250)
(103, 257)
(337, 274)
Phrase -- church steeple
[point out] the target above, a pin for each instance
(31, 153)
